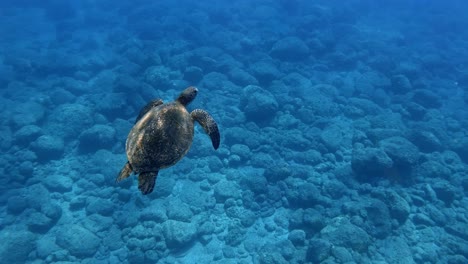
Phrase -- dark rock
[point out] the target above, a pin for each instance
(258, 184)
(377, 223)
(229, 252)
(53, 211)
(436, 215)
(96, 178)
(258, 104)
(457, 229)
(160, 76)
(261, 160)
(403, 153)
(297, 82)
(214, 80)
(422, 219)
(399, 207)
(177, 210)
(62, 96)
(378, 134)
(235, 235)
(451, 158)
(16, 245)
(369, 82)
(271, 257)
(45, 247)
(99, 206)
(39, 222)
(461, 148)
(178, 234)
(444, 191)
(308, 157)
(78, 240)
(241, 150)
(97, 137)
(396, 250)
(48, 147)
(368, 162)
(457, 259)
(6, 135)
(427, 98)
(303, 195)
(29, 113)
(274, 193)
(37, 196)
(332, 137)
(265, 72)
(340, 232)
(277, 173)
(313, 220)
(75, 86)
(425, 141)
(27, 134)
(225, 189)
(154, 213)
(342, 254)
(297, 237)
(206, 228)
(401, 84)
(111, 105)
(123, 220)
(195, 197)
(193, 74)
(68, 120)
(241, 77)
(415, 110)
(432, 169)
(58, 184)
(136, 256)
(287, 249)
(98, 223)
(26, 155)
(246, 217)
(290, 49)
(318, 250)
(77, 203)
(16, 204)
(26, 168)
(365, 105)
(287, 121)
(335, 189)
(126, 84)
(165, 185)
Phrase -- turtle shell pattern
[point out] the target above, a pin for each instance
(160, 138)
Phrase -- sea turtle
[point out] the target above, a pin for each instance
(162, 135)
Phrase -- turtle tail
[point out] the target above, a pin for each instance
(125, 172)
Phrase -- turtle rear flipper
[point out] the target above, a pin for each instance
(125, 172)
(148, 107)
(208, 124)
(146, 181)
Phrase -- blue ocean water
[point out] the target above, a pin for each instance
(343, 131)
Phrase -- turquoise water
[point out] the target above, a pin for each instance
(343, 131)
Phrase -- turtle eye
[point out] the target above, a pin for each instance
(193, 90)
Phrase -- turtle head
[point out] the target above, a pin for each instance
(187, 95)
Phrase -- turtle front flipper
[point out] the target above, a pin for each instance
(148, 107)
(208, 124)
(125, 172)
(146, 181)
